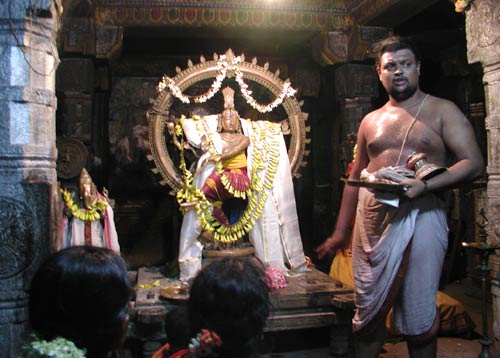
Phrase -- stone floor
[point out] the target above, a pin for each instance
(448, 347)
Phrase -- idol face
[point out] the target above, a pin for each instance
(88, 194)
(230, 121)
(399, 73)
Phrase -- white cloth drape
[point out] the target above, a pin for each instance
(275, 236)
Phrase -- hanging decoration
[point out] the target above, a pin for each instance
(227, 63)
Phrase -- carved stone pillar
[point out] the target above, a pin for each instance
(483, 45)
(355, 87)
(28, 63)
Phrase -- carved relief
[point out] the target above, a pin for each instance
(108, 41)
(78, 35)
(483, 37)
(17, 237)
(72, 157)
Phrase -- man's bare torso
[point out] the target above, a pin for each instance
(384, 131)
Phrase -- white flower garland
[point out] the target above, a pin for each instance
(223, 66)
(57, 348)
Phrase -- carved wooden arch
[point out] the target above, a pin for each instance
(160, 110)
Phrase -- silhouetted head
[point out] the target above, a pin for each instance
(231, 298)
(82, 293)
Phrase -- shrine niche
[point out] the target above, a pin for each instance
(189, 138)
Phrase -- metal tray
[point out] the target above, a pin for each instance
(398, 188)
(175, 292)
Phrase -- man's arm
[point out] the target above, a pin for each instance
(459, 138)
(349, 202)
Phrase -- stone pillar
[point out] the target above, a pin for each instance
(483, 45)
(28, 62)
(356, 86)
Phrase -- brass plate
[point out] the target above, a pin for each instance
(175, 292)
(378, 186)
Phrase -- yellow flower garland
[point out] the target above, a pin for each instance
(97, 211)
(264, 164)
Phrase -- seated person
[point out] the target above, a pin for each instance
(81, 294)
(226, 311)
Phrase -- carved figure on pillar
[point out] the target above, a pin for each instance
(88, 216)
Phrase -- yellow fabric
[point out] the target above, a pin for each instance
(236, 161)
(453, 318)
(341, 268)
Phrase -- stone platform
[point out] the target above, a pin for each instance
(311, 300)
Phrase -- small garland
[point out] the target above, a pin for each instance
(200, 346)
(225, 63)
(57, 348)
(97, 211)
(265, 160)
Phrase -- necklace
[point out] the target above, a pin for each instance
(97, 210)
(409, 127)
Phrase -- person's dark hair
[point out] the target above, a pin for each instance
(82, 293)
(178, 328)
(395, 43)
(231, 298)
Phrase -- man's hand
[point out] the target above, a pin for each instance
(330, 245)
(415, 187)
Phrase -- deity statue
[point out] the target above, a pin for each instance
(232, 181)
(88, 216)
(240, 185)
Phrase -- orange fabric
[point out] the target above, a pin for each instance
(164, 352)
(453, 318)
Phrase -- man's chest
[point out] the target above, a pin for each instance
(403, 132)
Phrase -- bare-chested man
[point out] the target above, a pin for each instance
(398, 251)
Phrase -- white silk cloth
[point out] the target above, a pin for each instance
(380, 237)
(275, 235)
(73, 231)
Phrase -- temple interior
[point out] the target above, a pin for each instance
(112, 54)
(112, 95)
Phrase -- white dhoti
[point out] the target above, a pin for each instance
(381, 236)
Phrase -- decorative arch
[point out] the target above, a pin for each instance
(160, 110)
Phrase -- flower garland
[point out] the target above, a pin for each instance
(265, 160)
(57, 348)
(200, 346)
(225, 63)
(97, 211)
(462, 5)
